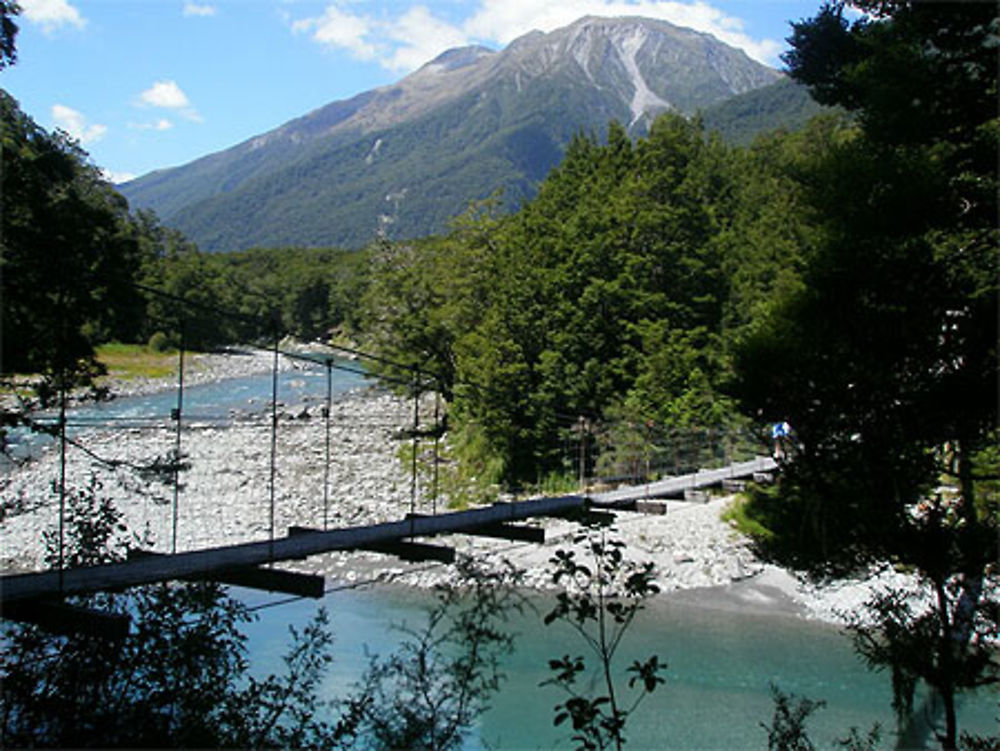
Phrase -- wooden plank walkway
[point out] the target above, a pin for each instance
(191, 564)
(673, 486)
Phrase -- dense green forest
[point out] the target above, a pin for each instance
(248, 296)
(615, 295)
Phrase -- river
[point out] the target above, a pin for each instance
(215, 402)
(721, 659)
(721, 663)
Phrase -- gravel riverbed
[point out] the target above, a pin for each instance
(224, 498)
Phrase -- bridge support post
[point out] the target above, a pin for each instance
(416, 444)
(177, 415)
(326, 468)
(62, 479)
(274, 435)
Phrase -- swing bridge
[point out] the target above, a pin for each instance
(40, 596)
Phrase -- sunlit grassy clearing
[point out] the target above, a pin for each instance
(136, 361)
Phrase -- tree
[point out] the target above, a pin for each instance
(787, 731)
(423, 297)
(949, 646)
(613, 258)
(914, 73)
(9, 9)
(69, 256)
(885, 359)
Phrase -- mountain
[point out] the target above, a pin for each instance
(784, 104)
(407, 157)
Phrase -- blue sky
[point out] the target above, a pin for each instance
(147, 84)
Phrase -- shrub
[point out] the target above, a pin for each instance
(160, 342)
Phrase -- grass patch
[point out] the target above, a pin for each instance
(19, 389)
(559, 483)
(739, 514)
(128, 361)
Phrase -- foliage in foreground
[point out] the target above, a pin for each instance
(430, 693)
(787, 731)
(599, 599)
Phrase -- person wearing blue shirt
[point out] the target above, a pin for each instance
(780, 433)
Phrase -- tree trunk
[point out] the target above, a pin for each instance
(949, 741)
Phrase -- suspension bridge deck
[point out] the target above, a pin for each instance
(246, 556)
(234, 562)
(673, 486)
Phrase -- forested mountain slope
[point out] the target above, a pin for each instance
(783, 105)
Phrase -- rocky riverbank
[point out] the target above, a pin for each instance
(224, 497)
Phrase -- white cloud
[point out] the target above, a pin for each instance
(194, 9)
(75, 124)
(416, 36)
(336, 28)
(165, 94)
(117, 178)
(421, 37)
(400, 44)
(168, 95)
(161, 124)
(52, 14)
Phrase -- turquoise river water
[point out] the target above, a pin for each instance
(720, 667)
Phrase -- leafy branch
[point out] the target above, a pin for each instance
(600, 601)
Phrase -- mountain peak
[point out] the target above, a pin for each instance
(458, 57)
(653, 65)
